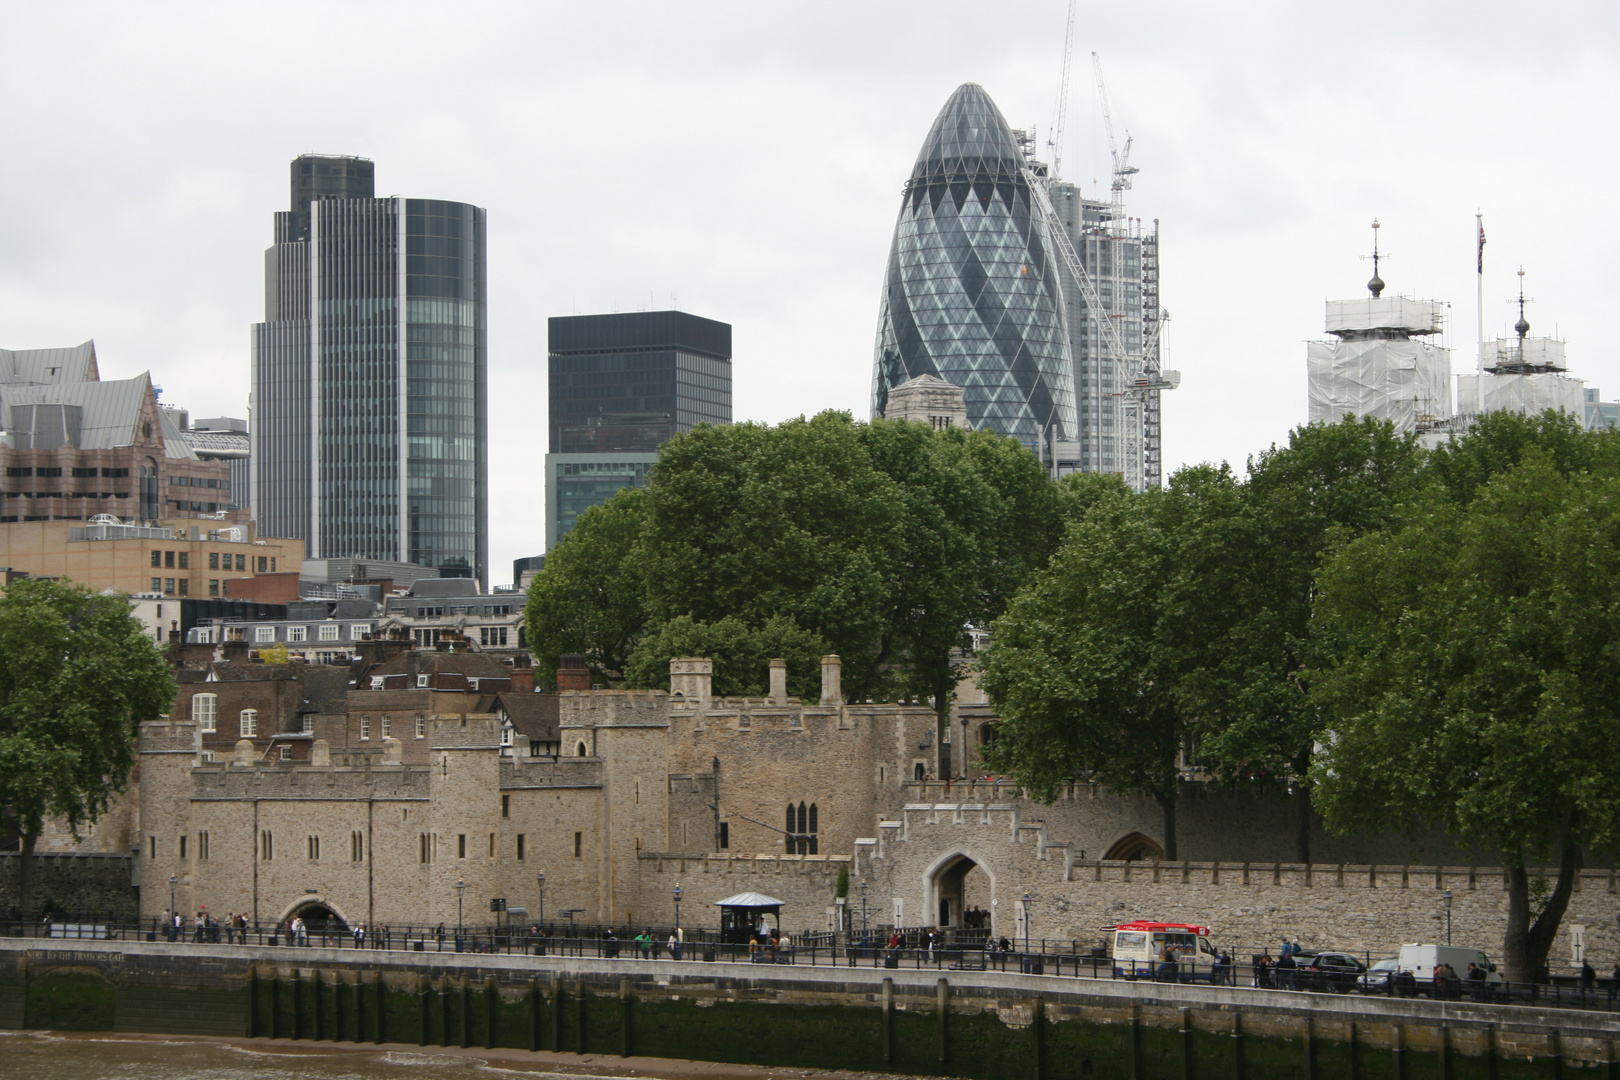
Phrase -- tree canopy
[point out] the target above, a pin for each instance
(881, 542)
(78, 675)
(1444, 623)
(1473, 678)
(1098, 667)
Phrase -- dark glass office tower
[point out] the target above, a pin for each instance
(620, 386)
(370, 374)
(972, 293)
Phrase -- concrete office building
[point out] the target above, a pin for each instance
(620, 385)
(369, 393)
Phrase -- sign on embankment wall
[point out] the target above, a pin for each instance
(985, 1025)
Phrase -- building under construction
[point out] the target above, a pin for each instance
(1380, 365)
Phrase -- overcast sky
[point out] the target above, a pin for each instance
(744, 161)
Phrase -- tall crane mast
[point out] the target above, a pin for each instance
(1054, 140)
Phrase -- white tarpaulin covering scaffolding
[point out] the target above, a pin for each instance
(1406, 382)
(1529, 394)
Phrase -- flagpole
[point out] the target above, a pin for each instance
(1479, 307)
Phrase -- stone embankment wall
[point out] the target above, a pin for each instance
(91, 884)
(988, 1025)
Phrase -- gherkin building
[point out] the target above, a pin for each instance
(971, 294)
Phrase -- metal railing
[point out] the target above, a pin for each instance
(1049, 958)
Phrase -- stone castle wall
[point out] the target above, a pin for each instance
(1248, 905)
(90, 884)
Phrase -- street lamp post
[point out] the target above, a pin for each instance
(461, 890)
(174, 912)
(540, 884)
(1448, 916)
(678, 894)
(863, 916)
(1026, 931)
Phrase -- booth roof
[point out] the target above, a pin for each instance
(748, 899)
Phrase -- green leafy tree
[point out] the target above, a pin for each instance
(1474, 682)
(78, 675)
(741, 655)
(587, 600)
(752, 522)
(1331, 480)
(978, 517)
(1099, 663)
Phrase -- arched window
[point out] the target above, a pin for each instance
(814, 828)
(988, 735)
(580, 752)
(1134, 847)
(151, 501)
(204, 711)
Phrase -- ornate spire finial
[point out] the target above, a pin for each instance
(1376, 284)
(1523, 325)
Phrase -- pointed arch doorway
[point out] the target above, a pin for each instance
(958, 887)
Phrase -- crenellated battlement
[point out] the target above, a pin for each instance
(281, 781)
(168, 736)
(579, 709)
(563, 772)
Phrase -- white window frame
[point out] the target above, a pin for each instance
(328, 632)
(421, 682)
(205, 712)
(297, 633)
(421, 726)
(377, 682)
(248, 723)
(264, 635)
(387, 726)
(365, 728)
(358, 631)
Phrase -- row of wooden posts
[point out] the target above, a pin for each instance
(360, 1007)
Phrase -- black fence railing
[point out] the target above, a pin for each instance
(821, 949)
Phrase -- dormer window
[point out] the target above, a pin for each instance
(472, 684)
(377, 682)
(422, 681)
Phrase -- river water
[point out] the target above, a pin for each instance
(45, 1056)
(33, 1056)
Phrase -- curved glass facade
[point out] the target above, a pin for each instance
(971, 294)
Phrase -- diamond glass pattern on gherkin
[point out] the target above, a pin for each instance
(971, 294)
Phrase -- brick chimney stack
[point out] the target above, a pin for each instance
(572, 674)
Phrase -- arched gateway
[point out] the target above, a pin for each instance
(955, 883)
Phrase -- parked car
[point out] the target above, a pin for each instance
(1336, 971)
(1375, 980)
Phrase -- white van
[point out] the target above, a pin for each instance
(1422, 960)
(1138, 948)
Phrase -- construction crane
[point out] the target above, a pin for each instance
(1137, 377)
(1123, 169)
(1054, 140)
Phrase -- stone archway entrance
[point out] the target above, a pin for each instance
(959, 886)
(321, 919)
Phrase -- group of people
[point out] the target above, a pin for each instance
(976, 918)
(205, 929)
(647, 944)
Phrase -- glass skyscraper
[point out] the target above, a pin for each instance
(370, 379)
(620, 385)
(972, 293)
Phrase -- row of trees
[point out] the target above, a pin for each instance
(881, 542)
(1407, 638)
